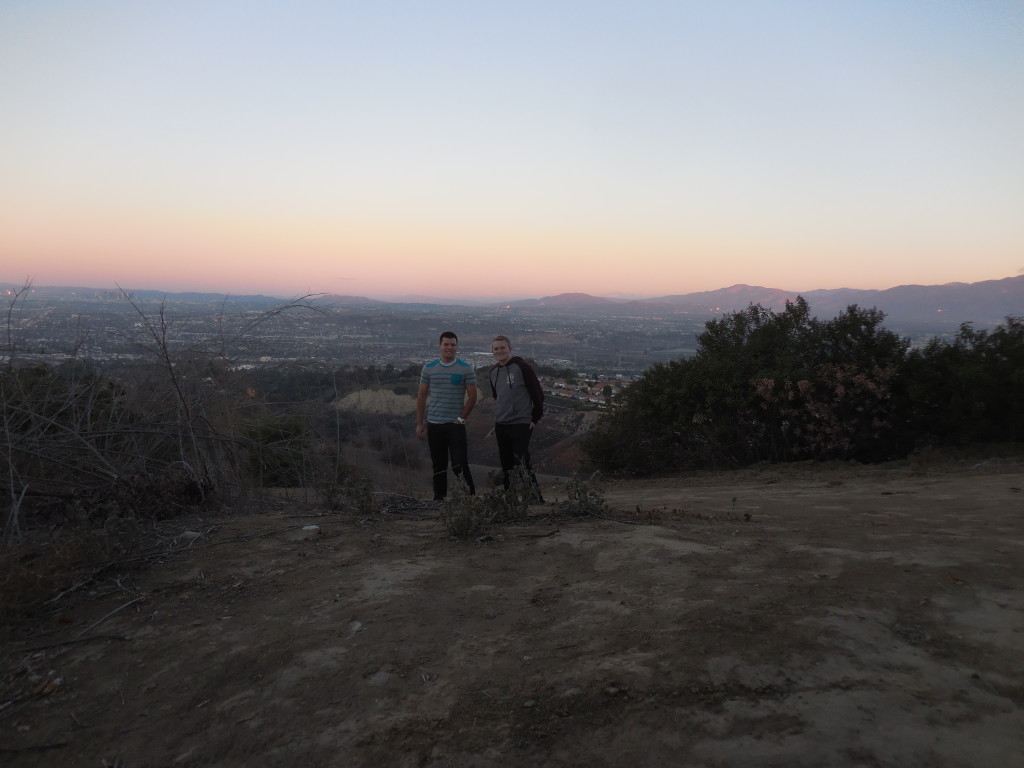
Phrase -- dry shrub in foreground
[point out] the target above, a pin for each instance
(582, 498)
(465, 516)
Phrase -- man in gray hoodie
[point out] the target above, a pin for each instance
(519, 405)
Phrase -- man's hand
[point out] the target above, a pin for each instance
(421, 411)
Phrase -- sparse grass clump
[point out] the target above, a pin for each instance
(582, 498)
(353, 492)
(463, 514)
(511, 504)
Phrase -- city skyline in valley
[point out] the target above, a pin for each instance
(455, 150)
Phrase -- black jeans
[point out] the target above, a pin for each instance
(448, 440)
(514, 450)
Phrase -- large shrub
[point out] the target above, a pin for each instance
(763, 385)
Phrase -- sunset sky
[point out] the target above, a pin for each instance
(392, 148)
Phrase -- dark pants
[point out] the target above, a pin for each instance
(514, 450)
(448, 440)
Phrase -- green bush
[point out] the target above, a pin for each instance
(762, 386)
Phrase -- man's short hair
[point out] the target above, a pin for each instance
(506, 339)
(447, 335)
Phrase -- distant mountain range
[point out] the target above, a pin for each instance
(985, 304)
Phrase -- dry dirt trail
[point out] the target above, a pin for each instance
(804, 616)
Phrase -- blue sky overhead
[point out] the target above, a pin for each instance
(499, 149)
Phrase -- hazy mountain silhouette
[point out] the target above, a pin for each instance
(350, 301)
(568, 301)
(985, 303)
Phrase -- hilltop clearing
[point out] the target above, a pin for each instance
(796, 616)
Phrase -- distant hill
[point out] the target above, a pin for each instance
(567, 301)
(349, 301)
(726, 299)
(985, 303)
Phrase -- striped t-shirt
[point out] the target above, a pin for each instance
(447, 386)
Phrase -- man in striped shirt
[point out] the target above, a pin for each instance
(447, 396)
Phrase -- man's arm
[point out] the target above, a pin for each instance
(471, 395)
(421, 411)
(535, 389)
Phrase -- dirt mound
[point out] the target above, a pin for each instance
(378, 401)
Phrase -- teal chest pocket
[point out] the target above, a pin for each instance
(456, 378)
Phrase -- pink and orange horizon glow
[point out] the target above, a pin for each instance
(459, 151)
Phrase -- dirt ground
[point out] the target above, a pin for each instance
(797, 616)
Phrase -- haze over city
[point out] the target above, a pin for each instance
(459, 149)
